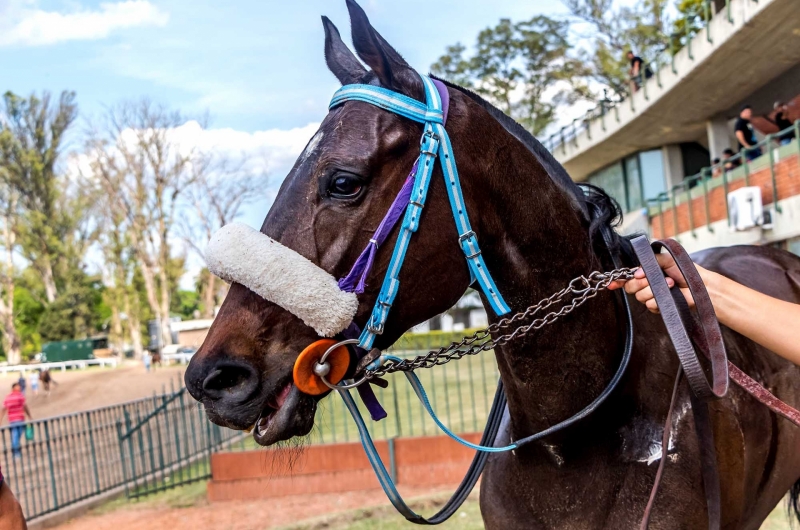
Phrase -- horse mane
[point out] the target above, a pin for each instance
(598, 208)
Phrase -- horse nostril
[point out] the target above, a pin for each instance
(230, 379)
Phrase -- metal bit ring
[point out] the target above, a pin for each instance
(322, 363)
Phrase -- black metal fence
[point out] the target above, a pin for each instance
(152, 444)
(64, 460)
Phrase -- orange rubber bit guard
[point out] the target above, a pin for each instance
(309, 382)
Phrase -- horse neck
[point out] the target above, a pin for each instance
(535, 241)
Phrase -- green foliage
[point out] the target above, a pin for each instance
(430, 340)
(75, 313)
(642, 27)
(185, 303)
(28, 313)
(524, 68)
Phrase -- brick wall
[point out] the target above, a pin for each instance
(787, 181)
(420, 462)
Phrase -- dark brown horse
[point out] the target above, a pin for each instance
(534, 227)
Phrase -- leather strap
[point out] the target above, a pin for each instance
(677, 318)
(672, 318)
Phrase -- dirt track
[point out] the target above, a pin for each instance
(95, 387)
(239, 515)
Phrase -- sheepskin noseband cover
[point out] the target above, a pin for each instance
(238, 253)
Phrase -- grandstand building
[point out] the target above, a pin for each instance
(654, 150)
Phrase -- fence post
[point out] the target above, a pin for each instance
(725, 192)
(94, 454)
(689, 206)
(772, 174)
(50, 460)
(705, 179)
(392, 461)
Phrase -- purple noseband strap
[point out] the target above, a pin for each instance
(355, 281)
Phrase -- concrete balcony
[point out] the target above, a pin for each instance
(750, 53)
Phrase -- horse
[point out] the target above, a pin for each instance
(538, 229)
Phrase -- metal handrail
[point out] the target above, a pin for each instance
(681, 193)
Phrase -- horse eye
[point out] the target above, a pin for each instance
(344, 187)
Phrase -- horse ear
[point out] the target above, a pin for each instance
(392, 70)
(341, 61)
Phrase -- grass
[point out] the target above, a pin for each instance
(180, 497)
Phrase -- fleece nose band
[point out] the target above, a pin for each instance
(238, 253)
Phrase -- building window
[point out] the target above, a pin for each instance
(651, 167)
(612, 180)
(633, 183)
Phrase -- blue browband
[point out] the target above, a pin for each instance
(435, 142)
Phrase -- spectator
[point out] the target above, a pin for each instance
(745, 134)
(730, 163)
(716, 168)
(783, 122)
(33, 381)
(14, 405)
(22, 383)
(146, 359)
(635, 71)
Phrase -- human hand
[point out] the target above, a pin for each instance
(640, 287)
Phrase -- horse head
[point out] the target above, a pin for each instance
(326, 210)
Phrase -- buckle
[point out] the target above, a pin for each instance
(375, 330)
(466, 235)
(423, 143)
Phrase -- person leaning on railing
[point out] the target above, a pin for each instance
(768, 321)
(11, 517)
(783, 122)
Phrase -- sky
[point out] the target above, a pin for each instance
(255, 68)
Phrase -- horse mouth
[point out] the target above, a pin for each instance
(286, 414)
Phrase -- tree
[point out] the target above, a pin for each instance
(30, 144)
(12, 345)
(524, 68)
(219, 189)
(642, 27)
(140, 165)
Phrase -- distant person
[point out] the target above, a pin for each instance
(11, 517)
(728, 162)
(33, 382)
(716, 168)
(46, 380)
(745, 134)
(14, 404)
(635, 71)
(22, 383)
(147, 360)
(783, 122)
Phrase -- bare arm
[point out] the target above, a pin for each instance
(768, 321)
(740, 137)
(28, 412)
(2, 414)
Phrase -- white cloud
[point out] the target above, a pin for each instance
(26, 26)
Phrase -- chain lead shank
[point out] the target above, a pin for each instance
(572, 296)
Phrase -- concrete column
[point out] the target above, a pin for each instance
(719, 137)
(673, 164)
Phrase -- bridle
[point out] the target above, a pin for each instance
(687, 330)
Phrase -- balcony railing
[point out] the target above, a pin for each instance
(701, 200)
